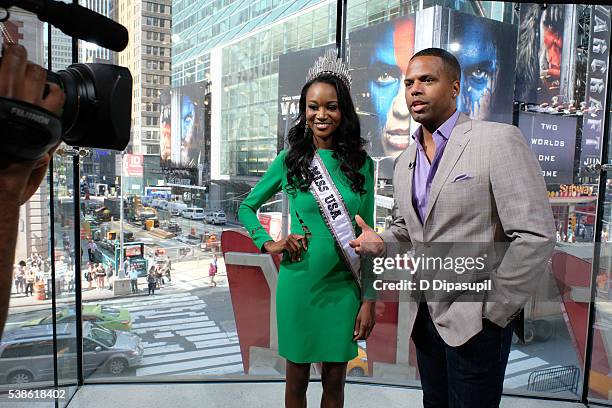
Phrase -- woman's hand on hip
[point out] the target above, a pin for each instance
(365, 321)
(294, 244)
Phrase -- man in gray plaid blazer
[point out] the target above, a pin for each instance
(465, 181)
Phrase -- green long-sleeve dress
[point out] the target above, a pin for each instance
(317, 299)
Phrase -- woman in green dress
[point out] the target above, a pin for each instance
(320, 312)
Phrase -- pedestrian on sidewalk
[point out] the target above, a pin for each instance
(110, 274)
(126, 268)
(212, 271)
(100, 274)
(20, 275)
(152, 281)
(91, 247)
(159, 275)
(89, 275)
(38, 273)
(30, 277)
(133, 278)
(69, 277)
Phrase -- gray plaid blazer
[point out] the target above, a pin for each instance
(502, 199)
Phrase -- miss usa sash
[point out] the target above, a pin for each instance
(335, 214)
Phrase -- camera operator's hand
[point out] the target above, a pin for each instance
(20, 80)
(24, 81)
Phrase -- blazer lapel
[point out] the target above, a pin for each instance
(407, 167)
(454, 147)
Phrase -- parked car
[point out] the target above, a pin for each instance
(194, 213)
(105, 316)
(176, 208)
(26, 353)
(208, 216)
(218, 218)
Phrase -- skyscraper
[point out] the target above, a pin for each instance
(148, 58)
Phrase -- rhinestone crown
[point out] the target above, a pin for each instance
(329, 63)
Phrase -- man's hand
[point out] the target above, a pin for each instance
(20, 81)
(368, 242)
(24, 81)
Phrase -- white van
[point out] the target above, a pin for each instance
(176, 207)
(194, 213)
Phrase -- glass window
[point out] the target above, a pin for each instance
(220, 86)
(18, 350)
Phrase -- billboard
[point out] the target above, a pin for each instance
(486, 51)
(133, 165)
(540, 48)
(187, 138)
(597, 82)
(293, 69)
(165, 132)
(378, 58)
(553, 141)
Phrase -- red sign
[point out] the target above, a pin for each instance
(133, 165)
(265, 221)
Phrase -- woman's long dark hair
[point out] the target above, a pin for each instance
(347, 143)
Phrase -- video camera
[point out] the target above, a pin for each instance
(97, 110)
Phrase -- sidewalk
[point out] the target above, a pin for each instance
(194, 272)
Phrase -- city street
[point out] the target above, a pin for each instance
(187, 327)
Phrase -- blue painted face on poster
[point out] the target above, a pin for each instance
(486, 51)
(379, 56)
(187, 122)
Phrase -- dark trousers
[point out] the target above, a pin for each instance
(467, 376)
(151, 288)
(134, 284)
(29, 288)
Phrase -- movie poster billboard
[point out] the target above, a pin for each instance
(486, 51)
(597, 82)
(293, 69)
(553, 141)
(540, 48)
(165, 133)
(188, 136)
(378, 58)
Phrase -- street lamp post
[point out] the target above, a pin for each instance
(121, 196)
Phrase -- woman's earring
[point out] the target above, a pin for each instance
(305, 129)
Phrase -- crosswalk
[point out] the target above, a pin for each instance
(179, 338)
(188, 284)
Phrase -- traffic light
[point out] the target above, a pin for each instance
(572, 221)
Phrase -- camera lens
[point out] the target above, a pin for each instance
(97, 111)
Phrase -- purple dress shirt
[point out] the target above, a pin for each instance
(424, 171)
